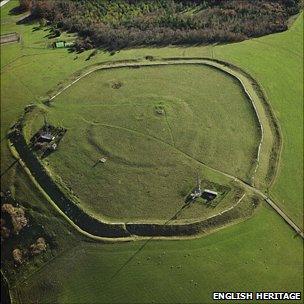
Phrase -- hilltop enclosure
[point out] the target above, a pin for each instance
(153, 128)
(260, 253)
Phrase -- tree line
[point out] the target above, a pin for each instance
(115, 25)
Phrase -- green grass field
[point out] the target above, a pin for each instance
(148, 170)
(276, 61)
(256, 255)
(260, 253)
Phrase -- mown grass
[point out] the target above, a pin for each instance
(83, 273)
(148, 171)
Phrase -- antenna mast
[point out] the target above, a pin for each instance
(198, 180)
(46, 125)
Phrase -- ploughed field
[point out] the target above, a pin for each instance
(155, 126)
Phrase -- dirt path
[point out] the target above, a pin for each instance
(286, 218)
(265, 146)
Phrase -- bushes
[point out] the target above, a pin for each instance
(127, 23)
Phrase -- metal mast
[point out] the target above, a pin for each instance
(198, 181)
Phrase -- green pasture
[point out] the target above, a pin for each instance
(152, 158)
(259, 254)
(276, 61)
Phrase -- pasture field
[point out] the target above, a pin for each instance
(152, 157)
(276, 61)
(260, 253)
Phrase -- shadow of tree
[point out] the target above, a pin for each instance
(186, 205)
(18, 10)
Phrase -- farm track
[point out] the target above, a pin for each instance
(9, 38)
(264, 150)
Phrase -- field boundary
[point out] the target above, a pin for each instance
(278, 144)
(10, 38)
(122, 231)
(133, 231)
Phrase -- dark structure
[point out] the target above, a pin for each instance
(209, 195)
(47, 139)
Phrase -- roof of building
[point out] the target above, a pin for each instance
(47, 136)
(59, 44)
(71, 43)
(210, 191)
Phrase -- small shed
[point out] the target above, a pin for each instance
(69, 44)
(59, 44)
(46, 137)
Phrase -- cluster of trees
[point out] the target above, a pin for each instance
(128, 23)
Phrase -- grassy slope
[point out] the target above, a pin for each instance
(122, 123)
(237, 244)
(258, 254)
(276, 61)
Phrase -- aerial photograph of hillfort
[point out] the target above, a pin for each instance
(152, 151)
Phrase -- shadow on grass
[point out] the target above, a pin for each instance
(174, 217)
(96, 163)
(18, 10)
(27, 20)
